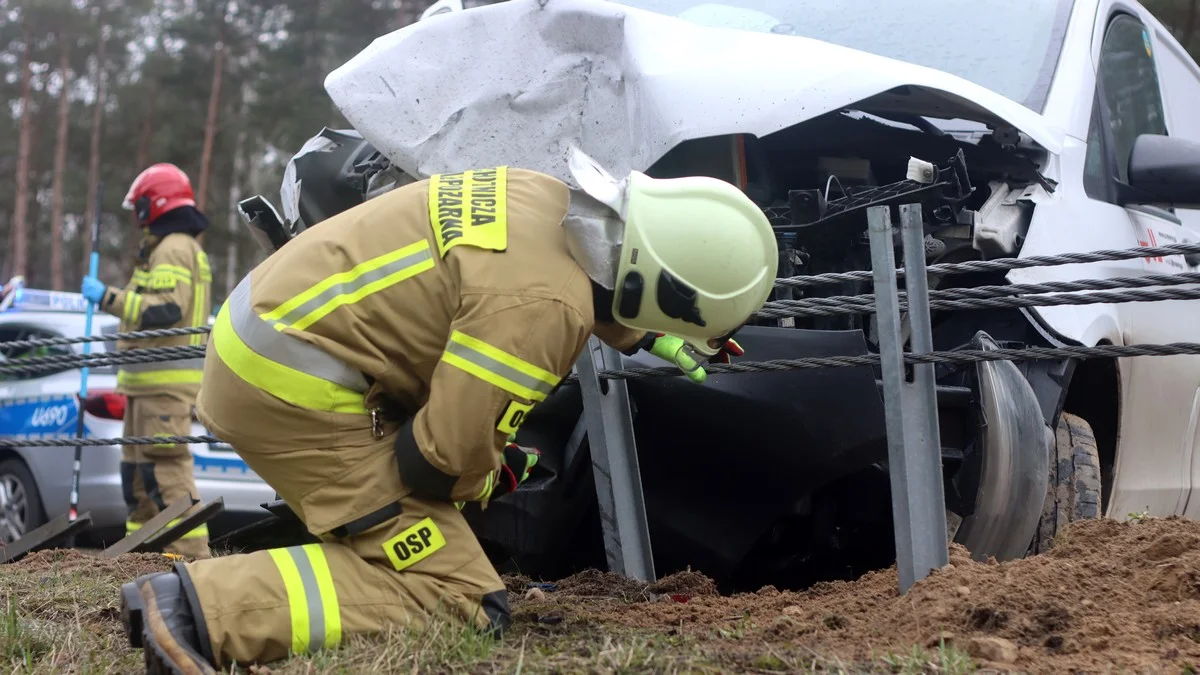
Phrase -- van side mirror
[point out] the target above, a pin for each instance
(1163, 170)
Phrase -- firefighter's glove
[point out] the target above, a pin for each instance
(670, 349)
(515, 465)
(93, 289)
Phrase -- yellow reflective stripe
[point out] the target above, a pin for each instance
(203, 267)
(312, 600)
(201, 531)
(163, 445)
(133, 304)
(498, 367)
(297, 602)
(140, 277)
(149, 377)
(489, 484)
(347, 288)
(283, 382)
(198, 293)
(176, 270)
(329, 601)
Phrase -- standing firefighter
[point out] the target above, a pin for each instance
(373, 369)
(170, 288)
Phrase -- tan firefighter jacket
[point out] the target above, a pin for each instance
(173, 289)
(453, 300)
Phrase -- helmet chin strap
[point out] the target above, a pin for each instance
(594, 222)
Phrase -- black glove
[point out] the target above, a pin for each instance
(515, 466)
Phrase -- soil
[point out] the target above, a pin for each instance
(1107, 594)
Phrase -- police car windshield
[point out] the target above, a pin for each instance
(1008, 46)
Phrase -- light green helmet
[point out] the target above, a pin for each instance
(697, 257)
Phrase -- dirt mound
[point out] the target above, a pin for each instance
(687, 584)
(594, 583)
(1107, 594)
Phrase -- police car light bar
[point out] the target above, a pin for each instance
(17, 298)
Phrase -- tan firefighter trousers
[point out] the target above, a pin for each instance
(153, 476)
(420, 557)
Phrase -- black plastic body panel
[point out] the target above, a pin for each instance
(720, 462)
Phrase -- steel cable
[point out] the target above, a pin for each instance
(110, 337)
(1000, 264)
(42, 364)
(992, 297)
(779, 365)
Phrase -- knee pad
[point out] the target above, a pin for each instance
(150, 481)
(128, 473)
(495, 607)
(189, 591)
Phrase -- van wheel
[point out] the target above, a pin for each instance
(20, 503)
(1073, 492)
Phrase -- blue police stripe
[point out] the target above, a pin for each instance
(224, 464)
(32, 417)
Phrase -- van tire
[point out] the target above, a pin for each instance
(1074, 489)
(14, 472)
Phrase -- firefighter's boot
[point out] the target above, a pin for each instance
(132, 608)
(172, 635)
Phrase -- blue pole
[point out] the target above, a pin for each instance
(93, 270)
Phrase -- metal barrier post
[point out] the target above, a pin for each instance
(609, 421)
(910, 408)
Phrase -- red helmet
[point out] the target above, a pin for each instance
(158, 189)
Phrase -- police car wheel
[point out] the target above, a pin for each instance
(20, 502)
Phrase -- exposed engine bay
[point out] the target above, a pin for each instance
(816, 180)
(809, 499)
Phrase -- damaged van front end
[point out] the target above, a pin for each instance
(768, 477)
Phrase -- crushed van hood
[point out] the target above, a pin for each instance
(517, 82)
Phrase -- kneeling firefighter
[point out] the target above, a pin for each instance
(373, 369)
(170, 288)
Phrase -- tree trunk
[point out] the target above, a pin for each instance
(60, 166)
(20, 239)
(237, 179)
(210, 125)
(94, 160)
(143, 151)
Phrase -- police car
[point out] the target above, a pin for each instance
(35, 482)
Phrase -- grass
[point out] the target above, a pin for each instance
(945, 659)
(63, 618)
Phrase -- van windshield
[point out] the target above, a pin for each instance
(1008, 46)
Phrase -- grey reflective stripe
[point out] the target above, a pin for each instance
(284, 349)
(312, 597)
(181, 364)
(505, 371)
(353, 285)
